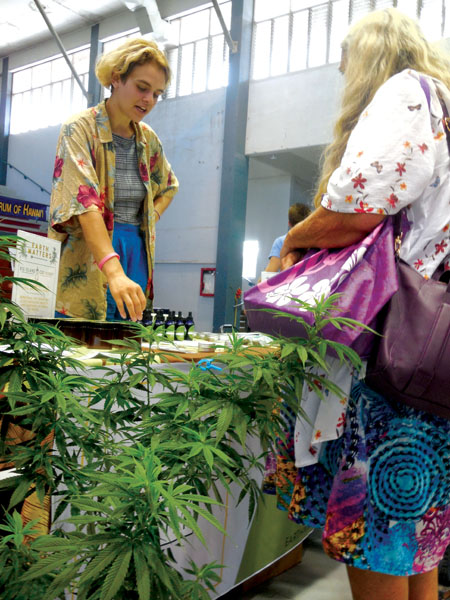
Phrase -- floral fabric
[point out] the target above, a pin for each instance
(381, 491)
(83, 180)
(397, 157)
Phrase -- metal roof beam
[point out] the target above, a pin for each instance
(61, 47)
(232, 45)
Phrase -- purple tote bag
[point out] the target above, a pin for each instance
(364, 273)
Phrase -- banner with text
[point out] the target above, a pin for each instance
(21, 209)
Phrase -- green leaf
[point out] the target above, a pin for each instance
(44, 566)
(319, 360)
(257, 374)
(223, 422)
(48, 543)
(268, 378)
(63, 580)
(142, 574)
(99, 563)
(191, 523)
(15, 381)
(90, 505)
(208, 456)
(116, 575)
(83, 519)
(210, 518)
(241, 430)
(288, 349)
(20, 492)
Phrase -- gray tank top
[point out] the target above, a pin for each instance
(129, 189)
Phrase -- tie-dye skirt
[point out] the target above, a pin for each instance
(381, 492)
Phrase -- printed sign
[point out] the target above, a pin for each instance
(36, 258)
(13, 207)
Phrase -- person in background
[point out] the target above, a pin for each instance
(111, 184)
(381, 491)
(297, 212)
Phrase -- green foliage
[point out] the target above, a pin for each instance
(136, 455)
(16, 558)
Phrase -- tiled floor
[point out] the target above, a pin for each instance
(317, 577)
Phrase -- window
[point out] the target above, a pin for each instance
(46, 93)
(199, 62)
(250, 259)
(291, 35)
(115, 40)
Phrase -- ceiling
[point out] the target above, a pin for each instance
(22, 25)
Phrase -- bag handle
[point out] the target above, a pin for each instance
(446, 117)
(400, 226)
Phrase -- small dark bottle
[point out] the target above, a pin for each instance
(170, 325)
(158, 323)
(147, 318)
(180, 329)
(189, 326)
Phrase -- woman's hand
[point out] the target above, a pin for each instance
(291, 258)
(326, 229)
(125, 291)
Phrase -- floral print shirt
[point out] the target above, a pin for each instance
(397, 157)
(83, 180)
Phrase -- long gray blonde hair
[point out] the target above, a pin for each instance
(381, 44)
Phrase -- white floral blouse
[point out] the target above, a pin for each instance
(397, 157)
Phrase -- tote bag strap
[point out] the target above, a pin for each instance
(398, 224)
(446, 118)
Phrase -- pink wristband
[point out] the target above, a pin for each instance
(106, 258)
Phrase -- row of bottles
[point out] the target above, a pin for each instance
(164, 322)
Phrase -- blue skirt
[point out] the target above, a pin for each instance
(129, 243)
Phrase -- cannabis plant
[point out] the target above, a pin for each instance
(134, 456)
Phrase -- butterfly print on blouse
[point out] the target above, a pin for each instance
(436, 182)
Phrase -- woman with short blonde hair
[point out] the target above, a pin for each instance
(111, 183)
(123, 59)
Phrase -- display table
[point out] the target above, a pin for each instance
(247, 547)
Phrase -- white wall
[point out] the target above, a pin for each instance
(268, 200)
(191, 131)
(33, 153)
(292, 111)
(303, 191)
